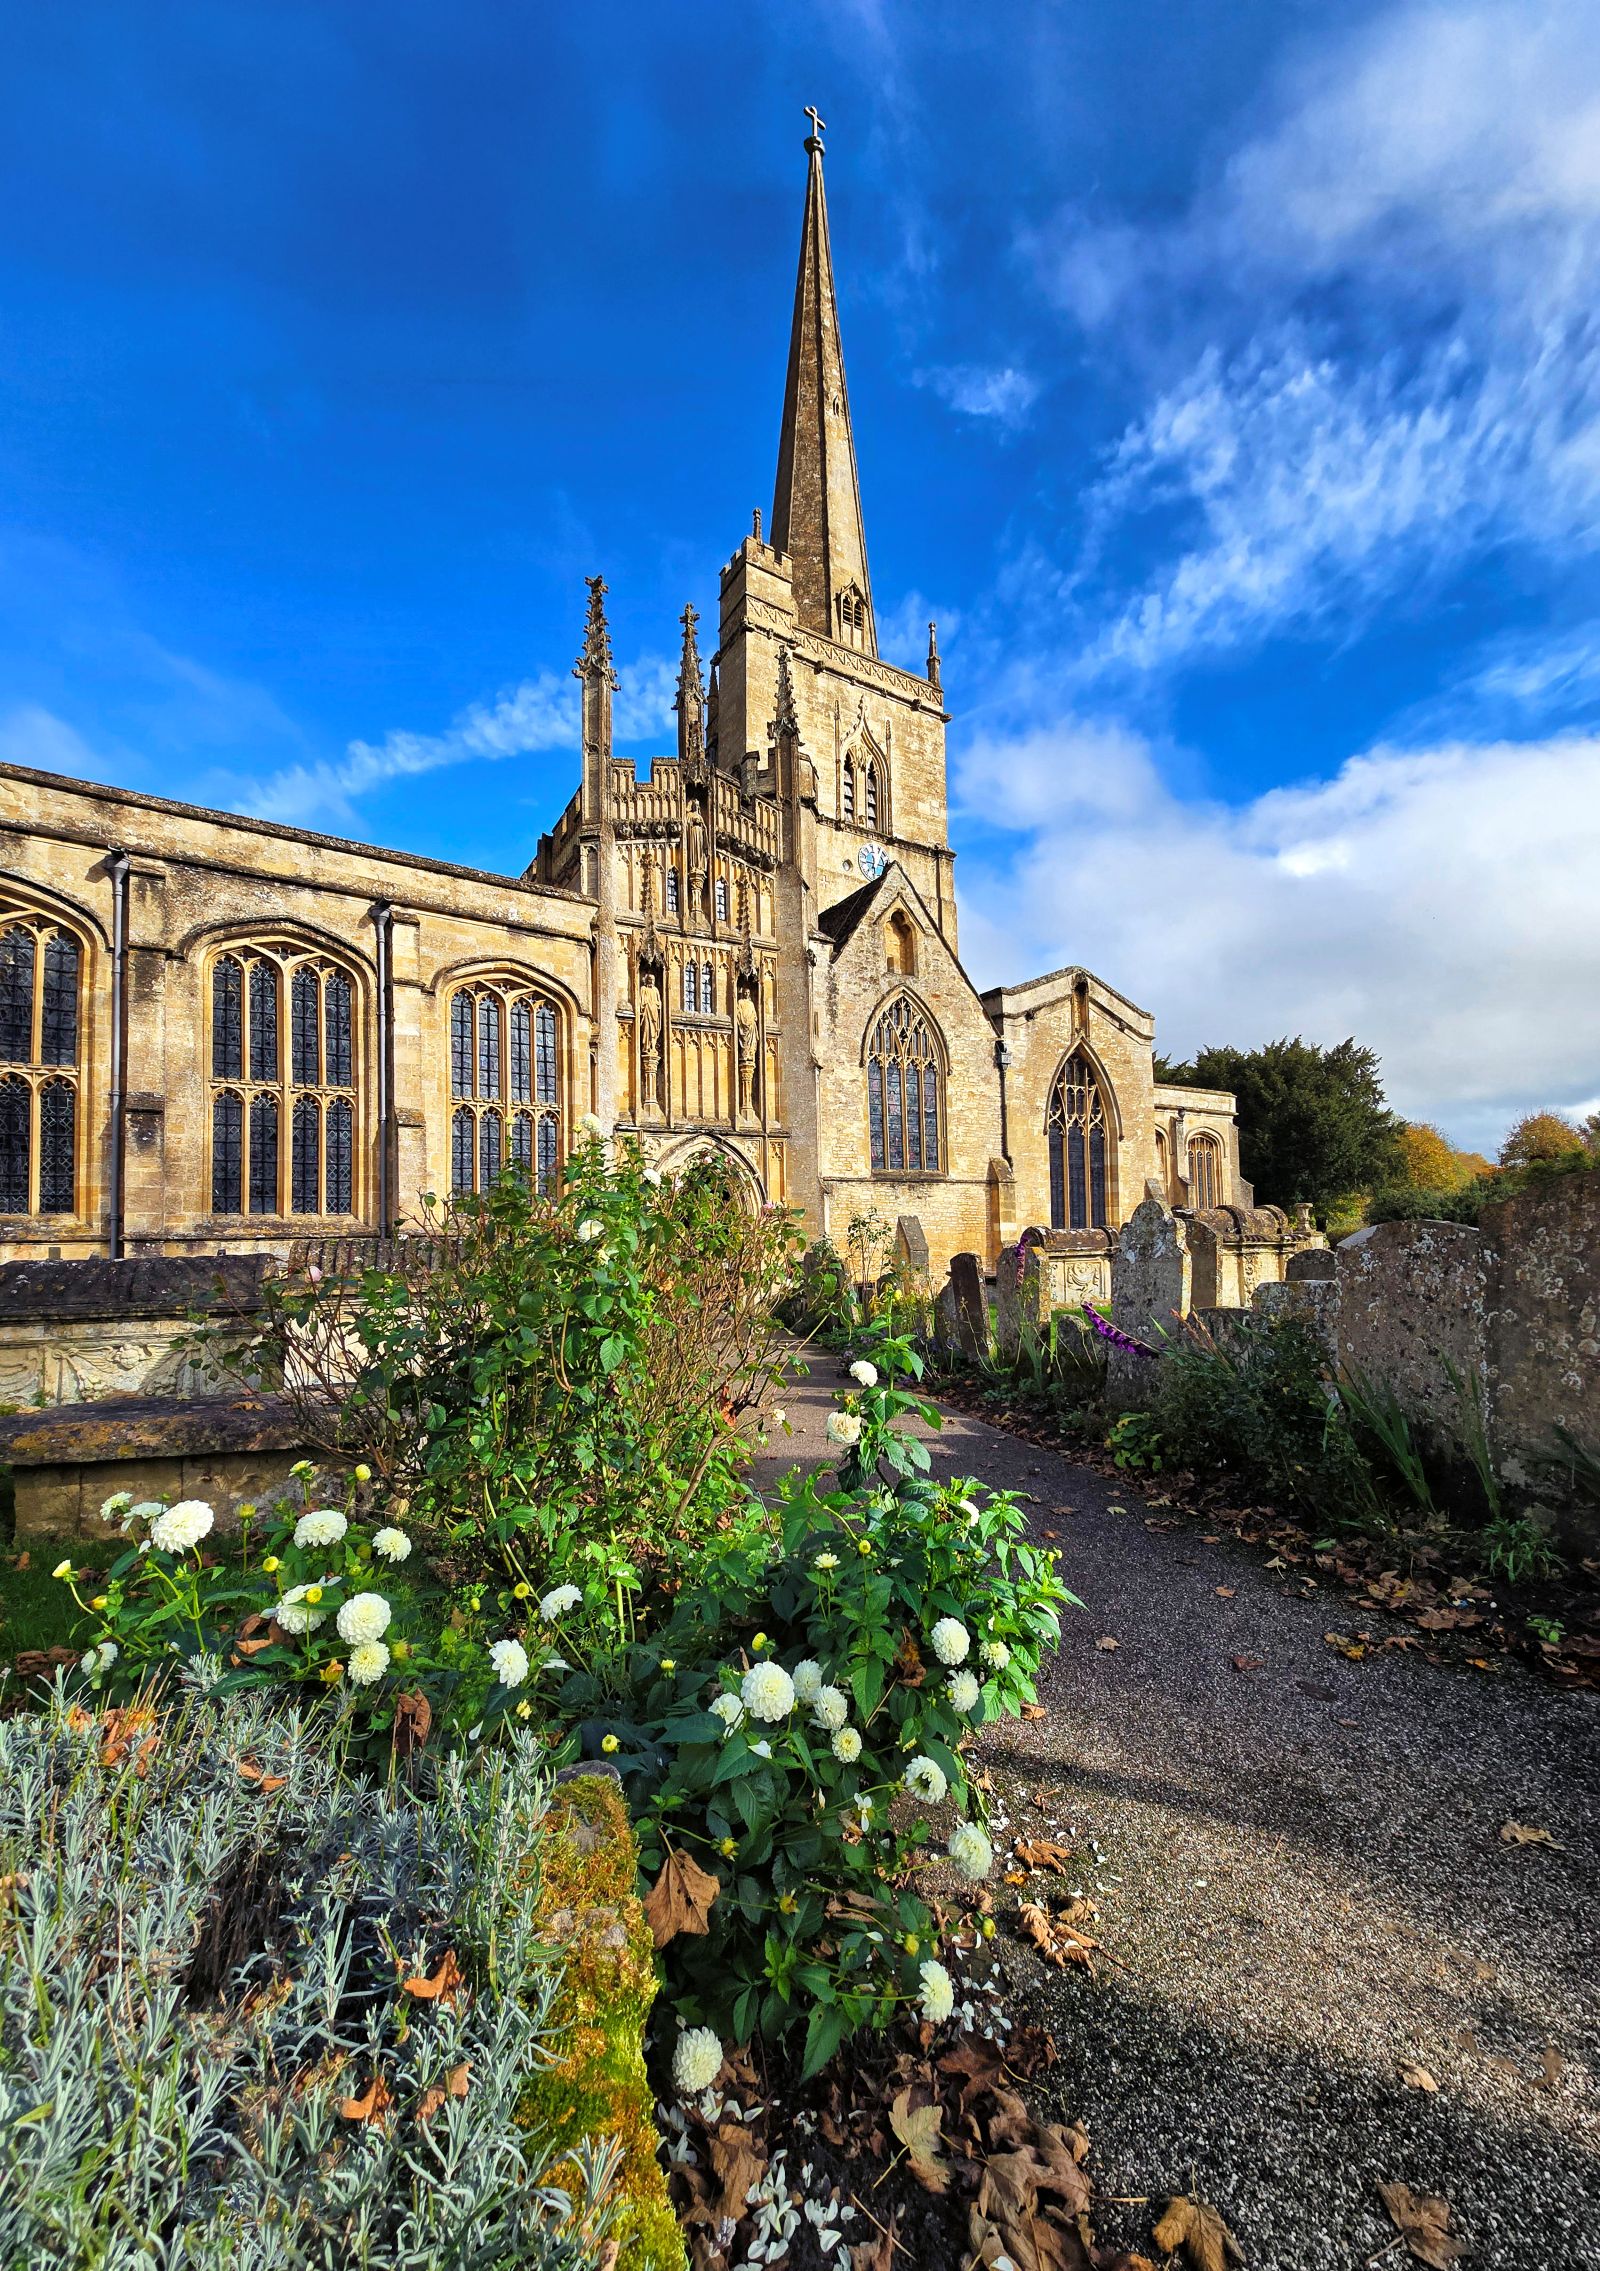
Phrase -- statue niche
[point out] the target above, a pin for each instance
(648, 1019)
(747, 1040)
(697, 845)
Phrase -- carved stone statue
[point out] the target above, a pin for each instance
(649, 1015)
(699, 848)
(747, 1034)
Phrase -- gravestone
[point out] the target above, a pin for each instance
(971, 1318)
(1151, 1294)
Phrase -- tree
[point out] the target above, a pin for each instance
(1539, 1138)
(1427, 1159)
(1313, 1123)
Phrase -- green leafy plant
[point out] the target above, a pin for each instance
(1134, 1441)
(1379, 1417)
(1519, 1549)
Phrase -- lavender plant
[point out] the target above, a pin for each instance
(208, 2054)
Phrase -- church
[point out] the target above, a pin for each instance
(219, 1034)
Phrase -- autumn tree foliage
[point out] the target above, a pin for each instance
(1541, 1137)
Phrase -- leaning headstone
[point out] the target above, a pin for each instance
(1020, 1299)
(1151, 1288)
(972, 1310)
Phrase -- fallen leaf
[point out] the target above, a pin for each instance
(121, 1729)
(1042, 1853)
(1247, 1663)
(737, 2165)
(1552, 2066)
(1418, 2078)
(441, 1988)
(680, 1899)
(454, 2085)
(1345, 1645)
(1034, 1711)
(1058, 1941)
(265, 1782)
(371, 2104)
(1226, 1592)
(1423, 2222)
(1519, 1833)
(1108, 1643)
(918, 2130)
(878, 2252)
(1200, 2232)
(413, 1722)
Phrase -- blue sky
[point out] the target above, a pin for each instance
(1227, 381)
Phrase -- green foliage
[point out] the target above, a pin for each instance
(1313, 1122)
(1135, 1441)
(202, 1943)
(545, 1379)
(1517, 1549)
(1539, 1139)
(849, 1295)
(1384, 1431)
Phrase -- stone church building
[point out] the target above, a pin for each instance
(217, 1033)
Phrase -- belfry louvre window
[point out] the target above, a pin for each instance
(869, 794)
(505, 1085)
(1077, 1133)
(903, 1102)
(43, 967)
(1205, 1172)
(283, 1083)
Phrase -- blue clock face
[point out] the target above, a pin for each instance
(872, 859)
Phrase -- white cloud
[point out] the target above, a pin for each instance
(1370, 344)
(36, 737)
(1425, 900)
(1000, 392)
(541, 713)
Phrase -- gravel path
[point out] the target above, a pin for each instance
(1302, 1872)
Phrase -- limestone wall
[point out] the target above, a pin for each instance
(1545, 1339)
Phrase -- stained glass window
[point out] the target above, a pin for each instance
(691, 988)
(263, 1021)
(263, 1154)
(40, 969)
(305, 1166)
(522, 1142)
(504, 1052)
(463, 1140)
(549, 1150)
(544, 1029)
(303, 1022)
(903, 1093)
(1205, 1172)
(708, 989)
(722, 899)
(672, 890)
(338, 1056)
(522, 1052)
(1076, 1127)
(489, 1150)
(227, 1020)
(282, 1146)
(16, 1144)
(461, 1019)
(489, 1045)
(339, 1193)
(227, 1151)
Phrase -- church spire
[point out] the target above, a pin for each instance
(689, 701)
(816, 506)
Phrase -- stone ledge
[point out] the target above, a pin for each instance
(147, 1286)
(148, 1427)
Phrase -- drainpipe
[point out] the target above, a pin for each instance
(118, 865)
(1002, 1058)
(383, 925)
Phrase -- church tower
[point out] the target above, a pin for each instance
(851, 745)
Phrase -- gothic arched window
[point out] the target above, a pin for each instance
(1205, 1172)
(672, 889)
(43, 969)
(1077, 1131)
(1163, 1168)
(903, 1105)
(505, 1084)
(721, 898)
(282, 1118)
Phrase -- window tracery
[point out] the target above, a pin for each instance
(43, 967)
(904, 1107)
(505, 1084)
(282, 1119)
(1205, 1172)
(1077, 1134)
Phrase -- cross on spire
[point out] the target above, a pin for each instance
(819, 127)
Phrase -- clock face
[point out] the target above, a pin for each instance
(872, 859)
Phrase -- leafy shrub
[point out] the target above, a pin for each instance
(207, 2055)
(1518, 1548)
(791, 1722)
(543, 1377)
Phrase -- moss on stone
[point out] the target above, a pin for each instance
(587, 1906)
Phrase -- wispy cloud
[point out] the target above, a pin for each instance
(540, 714)
(1421, 899)
(1371, 342)
(1000, 392)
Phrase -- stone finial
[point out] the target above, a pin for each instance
(934, 679)
(784, 718)
(595, 659)
(689, 701)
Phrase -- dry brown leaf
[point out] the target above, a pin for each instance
(265, 1782)
(878, 2252)
(1108, 1643)
(413, 1722)
(1423, 2222)
(1226, 1592)
(1418, 2078)
(441, 1988)
(1552, 2067)
(1196, 2227)
(454, 2085)
(1057, 1941)
(918, 2130)
(122, 1728)
(1247, 1663)
(737, 2163)
(680, 1899)
(1042, 1853)
(1520, 1833)
(1034, 1711)
(371, 2104)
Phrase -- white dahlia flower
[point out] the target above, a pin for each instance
(995, 1654)
(589, 1125)
(938, 1995)
(368, 1661)
(971, 1851)
(864, 1374)
(556, 1604)
(767, 1691)
(847, 1745)
(844, 1428)
(393, 1544)
(951, 1640)
(826, 1561)
(831, 1708)
(117, 1507)
(510, 1661)
(925, 1779)
(99, 1660)
(964, 1691)
(365, 1616)
(808, 1679)
(589, 1229)
(697, 2061)
(323, 1526)
(728, 1709)
(652, 1176)
(182, 1526)
(296, 1614)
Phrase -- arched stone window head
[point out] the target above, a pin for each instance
(905, 1108)
(900, 944)
(1205, 1172)
(1077, 1130)
(43, 971)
